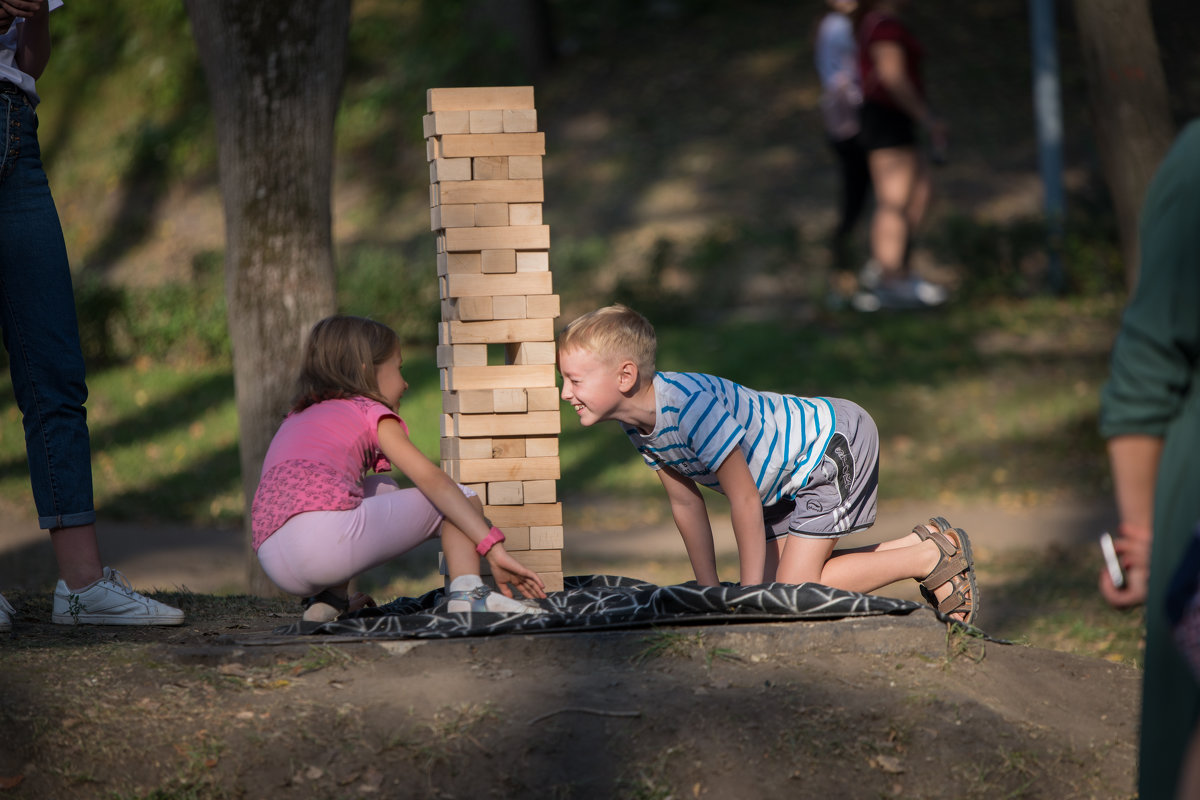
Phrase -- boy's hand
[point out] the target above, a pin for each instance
(507, 570)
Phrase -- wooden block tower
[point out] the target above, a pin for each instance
(500, 421)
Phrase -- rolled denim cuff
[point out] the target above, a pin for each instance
(67, 520)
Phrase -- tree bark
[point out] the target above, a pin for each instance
(1131, 115)
(275, 70)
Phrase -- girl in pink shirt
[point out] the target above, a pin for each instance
(318, 519)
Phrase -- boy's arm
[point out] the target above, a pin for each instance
(745, 508)
(691, 517)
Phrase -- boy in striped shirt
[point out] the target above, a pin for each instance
(799, 472)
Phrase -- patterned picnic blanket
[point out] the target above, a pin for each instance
(599, 602)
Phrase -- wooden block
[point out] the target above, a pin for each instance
(456, 216)
(530, 514)
(543, 398)
(443, 122)
(541, 446)
(489, 470)
(489, 168)
(454, 448)
(470, 145)
(533, 261)
(544, 306)
(498, 376)
(510, 401)
(481, 191)
(519, 120)
(491, 215)
(524, 167)
(433, 149)
(508, 447)
(462, 355)
(516, 537)
(498, 261)
(530, 353)
(458, 264)
(478, 98)
(473, 401)
(525, 214)
(440, 243)
(497, 331)
(488, 120)
(545, 537)
(452, 169)
(539, 491)
(513, 237)
(505, 493)
(467, 309)
(508, 307)
(487, 425)
(488, 285)
(552, 581)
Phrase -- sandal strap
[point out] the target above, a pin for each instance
(342, 604)
(957, 600)
(953, 561)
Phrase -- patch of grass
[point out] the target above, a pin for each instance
(1050, 600)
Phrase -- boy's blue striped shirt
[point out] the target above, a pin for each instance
(702, 419)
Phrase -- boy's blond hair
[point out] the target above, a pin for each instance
(613, 332)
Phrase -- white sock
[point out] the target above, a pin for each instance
(465, 583)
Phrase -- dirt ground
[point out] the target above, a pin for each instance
(880, 707)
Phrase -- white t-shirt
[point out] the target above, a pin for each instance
(8, 55)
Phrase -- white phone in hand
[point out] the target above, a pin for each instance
(1111, 561)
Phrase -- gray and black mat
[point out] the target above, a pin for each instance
(606, 602)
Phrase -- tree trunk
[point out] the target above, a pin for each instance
(1130, 112)
(275, 70)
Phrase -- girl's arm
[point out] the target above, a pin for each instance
(691, 517)
(454, 505)
(33, 50)
(745, 507)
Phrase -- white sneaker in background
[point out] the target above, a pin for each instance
(7, 612)
(110, 601)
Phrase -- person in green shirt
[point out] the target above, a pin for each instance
(1150, 416)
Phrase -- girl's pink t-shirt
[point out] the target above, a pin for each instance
(317, 462)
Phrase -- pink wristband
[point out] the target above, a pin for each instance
(495, 535)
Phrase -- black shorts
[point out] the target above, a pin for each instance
(885, 126)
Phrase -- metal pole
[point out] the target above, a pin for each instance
(1047, 106)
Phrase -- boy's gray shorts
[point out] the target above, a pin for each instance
(842, 491)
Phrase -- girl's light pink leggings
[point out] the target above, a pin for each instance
(319, 549)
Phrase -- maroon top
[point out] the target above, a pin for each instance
(879, 27)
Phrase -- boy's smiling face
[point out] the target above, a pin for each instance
(592, 385)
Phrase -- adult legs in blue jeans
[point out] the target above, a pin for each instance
(41, 335)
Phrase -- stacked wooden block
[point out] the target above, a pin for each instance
(500, 421)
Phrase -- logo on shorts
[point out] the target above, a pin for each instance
(813, 505)
(838, 452)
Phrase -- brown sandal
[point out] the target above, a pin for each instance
(955, 566)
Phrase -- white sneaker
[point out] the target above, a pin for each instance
(110, 601)
(7, 612)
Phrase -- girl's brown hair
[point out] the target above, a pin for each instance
(340, 357)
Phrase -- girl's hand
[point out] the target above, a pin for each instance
(507, 570)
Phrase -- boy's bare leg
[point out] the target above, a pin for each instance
(862, 569)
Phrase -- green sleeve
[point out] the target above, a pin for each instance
(1154, 358)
